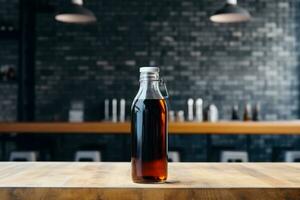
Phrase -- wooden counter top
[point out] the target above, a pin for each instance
(275, 127)
(206, 181)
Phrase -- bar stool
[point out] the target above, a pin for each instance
(234, 156)
(173, 156)
(23, 156)
(88, 156)
(292, 156)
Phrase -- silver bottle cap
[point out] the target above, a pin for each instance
(149, 69)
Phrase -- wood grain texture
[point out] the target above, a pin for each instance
(207, 181)
(275, 127)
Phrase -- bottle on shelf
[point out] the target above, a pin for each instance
(256, 112)
(190, 103)
(247, 112)
(171, 116)
(114, 113)
(212, 114)
(199, 110)
(76, 112)
(106, 109)
(114, 110)
(235, 113)
(122, 110)
(180, 116)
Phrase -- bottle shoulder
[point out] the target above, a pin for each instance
(144, 104)
(149, 90)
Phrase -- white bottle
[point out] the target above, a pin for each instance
(76, 113)
(106, 109)
(199, 110)
(114, 110)
(122, 110)
(190, 109)
(171, 116)
(180, 116)
(213, 115)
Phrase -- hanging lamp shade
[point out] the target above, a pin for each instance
(74, 12)
(230, 13)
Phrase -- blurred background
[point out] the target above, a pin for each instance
(49, 68)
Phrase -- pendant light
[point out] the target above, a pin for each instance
(74, 12)
(230, 13)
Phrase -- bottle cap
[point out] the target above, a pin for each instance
(199, 101)
(149, 69)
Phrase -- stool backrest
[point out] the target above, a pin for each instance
(23, 156)
(292, 156)
(173, 156)
(89, 156)
(234, 156)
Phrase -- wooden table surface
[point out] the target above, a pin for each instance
(222, 127)
(91, 181)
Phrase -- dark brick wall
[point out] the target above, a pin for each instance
(8, 57)
(8, 101)
(9, 11)
(223, 64)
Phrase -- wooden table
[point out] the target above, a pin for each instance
(204, 181)
(272, 127)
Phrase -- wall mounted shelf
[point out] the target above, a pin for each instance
(274, 127)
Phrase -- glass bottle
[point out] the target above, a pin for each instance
(247, 112)
(256, 112)
(235, 113)
(149, 129)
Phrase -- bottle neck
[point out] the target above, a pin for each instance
(149, 81)
(149, 76)
(149, 86)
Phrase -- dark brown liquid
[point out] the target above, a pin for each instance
(149, 141)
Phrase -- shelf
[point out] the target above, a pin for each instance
(112, 180)
(275, 127)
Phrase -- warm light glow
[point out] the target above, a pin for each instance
(78, 2)
(74, 18)
(229, 18)
(233, 2)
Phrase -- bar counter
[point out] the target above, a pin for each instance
(264, 127)
(205, 181)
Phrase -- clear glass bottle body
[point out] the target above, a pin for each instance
(149, 131)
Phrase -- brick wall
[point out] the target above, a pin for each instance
(223, 64)
(8, 57)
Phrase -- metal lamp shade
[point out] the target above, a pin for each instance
(75, 13)
(230, 13)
